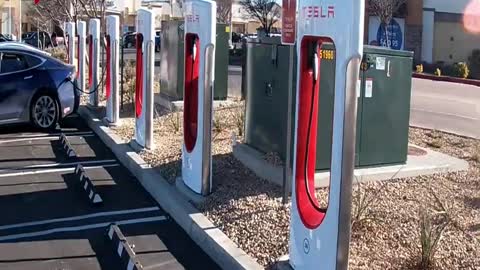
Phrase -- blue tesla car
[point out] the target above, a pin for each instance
(34, 87)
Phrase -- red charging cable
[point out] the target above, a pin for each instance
(139, 78)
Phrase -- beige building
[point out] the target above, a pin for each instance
(10, 18)
(445, 35)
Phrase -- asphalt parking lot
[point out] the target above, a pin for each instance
(49, 222)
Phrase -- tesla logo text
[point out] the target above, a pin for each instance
(319, 12)
(193, 18)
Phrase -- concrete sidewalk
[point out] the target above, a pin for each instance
(430, 163)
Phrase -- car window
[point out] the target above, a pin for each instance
(12, 62)
(33, 61)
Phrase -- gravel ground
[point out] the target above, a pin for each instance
(385, 234)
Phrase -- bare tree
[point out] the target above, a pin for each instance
(267, 12)
(60, 11)
(224, 11)
(94, 8)
(56, 11)
(385, 9)
(40, 20)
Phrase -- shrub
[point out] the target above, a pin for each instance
(58, 52)
(476, 153)
(129, 79)
(438, 72)
(460, 70)
(238, 115)
(363, 201)
(435, 218)
(419, 68)
(431, 231)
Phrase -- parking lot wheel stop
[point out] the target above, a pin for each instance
(87, 186)
(123, 249)
(67, 146)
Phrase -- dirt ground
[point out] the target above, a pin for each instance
(388, 216)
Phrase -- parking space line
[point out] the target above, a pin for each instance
(75, 133)
(60, 170)
(40, 138)
(82, 217)
(82, 228)
(53, 165)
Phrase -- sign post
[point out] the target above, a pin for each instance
(289, 12)
(289, 19)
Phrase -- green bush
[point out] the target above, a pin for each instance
(419, 68)
(461, 70)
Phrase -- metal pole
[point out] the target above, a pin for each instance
(102, 51)
(286, 168)
(122, 64)
(10, 18)
(150, 65)
(19, 38)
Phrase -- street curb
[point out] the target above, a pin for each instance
(446, 79)
(211, 239)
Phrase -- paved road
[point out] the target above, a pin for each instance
(446, 106)
(48, 222)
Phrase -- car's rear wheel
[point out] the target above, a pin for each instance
(44, 111)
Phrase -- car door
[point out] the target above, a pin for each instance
(16, 86)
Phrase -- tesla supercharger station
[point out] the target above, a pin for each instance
(70, 27)
(82, 37)
(200, 32)
(112, 64)
(145, 45)
(319, 238)
(93, 60)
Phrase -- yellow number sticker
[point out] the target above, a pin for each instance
(327, 54)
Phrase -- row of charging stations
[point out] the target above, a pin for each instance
(319, 238)
(88, 57)
(200, 36)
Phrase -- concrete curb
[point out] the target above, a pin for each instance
(177, 105)
(432, 163)
(445, 79)
(211, 239)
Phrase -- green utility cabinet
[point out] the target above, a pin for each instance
(172, 60)
(384, 109)
(382, 116)
(266, 88)
(171, 63)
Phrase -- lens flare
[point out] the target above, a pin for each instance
(471, 17)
